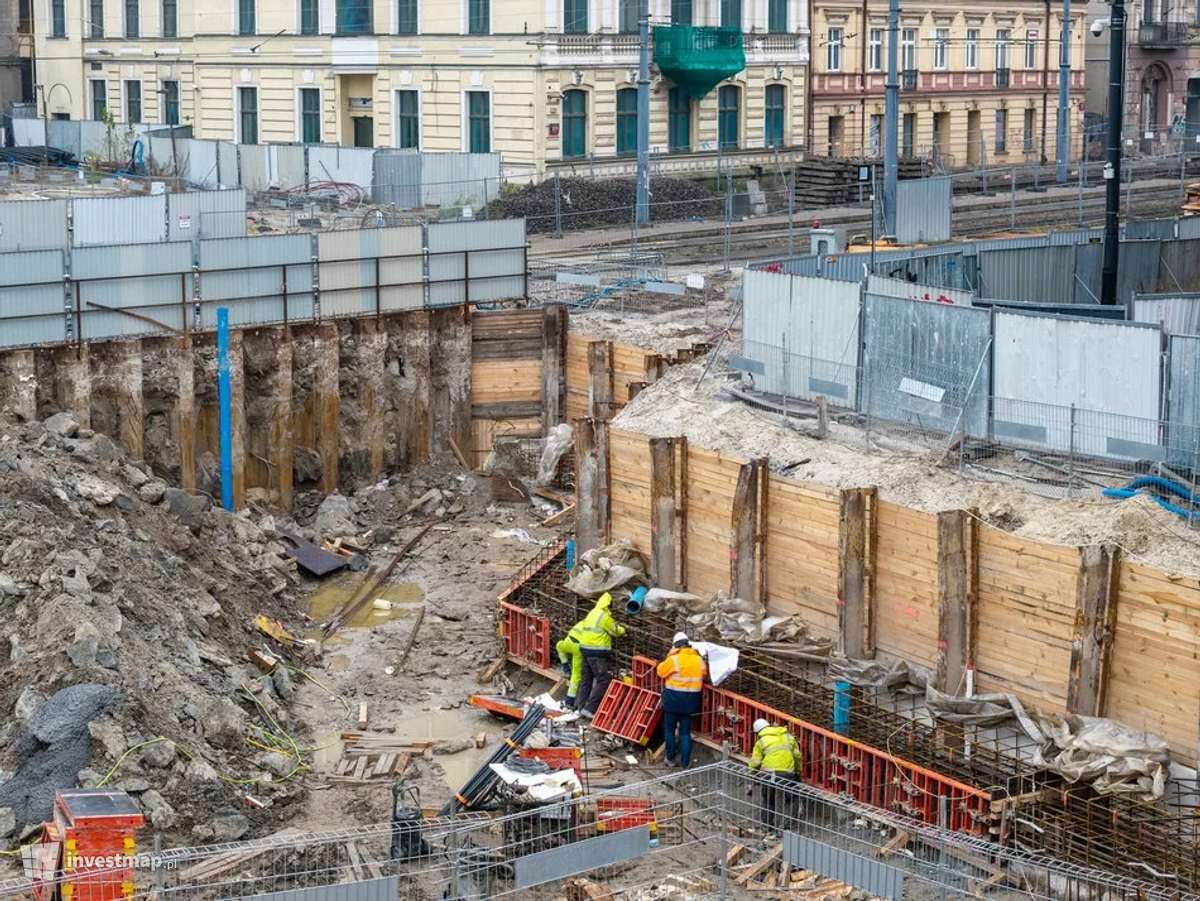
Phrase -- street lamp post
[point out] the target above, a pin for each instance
(1112, 163)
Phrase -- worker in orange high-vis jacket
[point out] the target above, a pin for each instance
(683, 675)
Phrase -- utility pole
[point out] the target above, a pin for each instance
(891, 121)
(642, 211)
(1112, 163)
(1064, 95)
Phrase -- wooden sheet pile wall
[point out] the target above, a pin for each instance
(506, 377)
(906, 585)
(801, 568)
(600, 383)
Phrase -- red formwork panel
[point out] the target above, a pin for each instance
(620, 813)
(526, 637)
(629, 712)
(837, 764)
(644, 675)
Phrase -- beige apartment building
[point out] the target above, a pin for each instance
(546, 83)
(978, 80)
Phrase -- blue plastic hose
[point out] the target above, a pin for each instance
(1170, 486)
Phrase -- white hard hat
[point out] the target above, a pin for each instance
(680, 636)
(759, 725)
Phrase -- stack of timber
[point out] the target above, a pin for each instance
(769, 872)
(822, 181)
(372, 755)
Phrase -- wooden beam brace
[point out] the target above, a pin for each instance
(185, 414)
(600, 379)
(853, 601)
(742, 526)
(587, 491)
(1095, 621)
(327, 396)
(957, 575)
(554, 362)
(662, 512)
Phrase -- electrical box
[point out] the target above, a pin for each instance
(827, 241)
(90, 847)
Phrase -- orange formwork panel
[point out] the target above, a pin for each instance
(526, 636)
(629, 712)
(644, 675)
(615, 814)
(95, 833)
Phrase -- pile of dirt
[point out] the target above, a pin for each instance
(904, 470)
(595, 203)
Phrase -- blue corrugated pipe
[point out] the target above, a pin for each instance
(1138, 485)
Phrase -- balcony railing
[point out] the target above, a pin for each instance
(908, 80)
(1163, 34)
(1003, 77)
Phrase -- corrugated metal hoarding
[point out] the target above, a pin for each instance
(352, 165)
(33, 225)
(1138, 269)
(805, 333)
(1114, 368)
(31, 298)
(352, 263)
(253, 160)
(65, 136)
(1188, 227)
(894, 287)
(459, 179)
(137, 220)
(228, 173)
(397, 179)
(289, 164)
(250, 276)
(154, 281)
(206, 214)
(1183, 435)
(492, 254)
(1178, 314)
(1179, 268)
(927, 363)
(28, 132)
(202, 162)
(1039, 274)
(923, 210)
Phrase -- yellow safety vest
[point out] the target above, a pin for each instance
(683, 670)
(776, 750)
(598, 627)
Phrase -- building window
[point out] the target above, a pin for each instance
(406, 17)
(479, 122)
(99, 99)
(773, 116)
(96, 14)
(310, 16)
(941, 42)
(1031, 44)
(629, 17)
(575, 16)
(133, 102)
(310, 115)
(1002, 48)
(972, 48)
(837, 127)
(353, 16)
(908, 49)
(777, 16)
(875, 51)
(679, 121)
(908, 134)
(731, 13)
(408, 120)
(247, 115)
(1028, 131)
(1001, 131)
(170, 95)
(132, 14)
(170, 18)
(729, 116)
(247, 15)
(58, 18)
(626, 121)
(479, 17)
(876, 134)
(681, 12)
(574, 125)
(833, 44)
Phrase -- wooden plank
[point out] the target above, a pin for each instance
(852, 598)
(362, 715)
(957, 596)
(588, 524)
(662, 504)
(763, 863)
(601, 390)
(742, 581)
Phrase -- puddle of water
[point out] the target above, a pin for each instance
(388, 603)
(328, 750)
(447, 725)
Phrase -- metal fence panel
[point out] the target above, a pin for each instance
(1188, 227)
(253, 161)
(1183, 436)
(1178, 314)
(152, 281)
(95, 139)
(29, 132)
(895, 287)
(397, 179)
(381, 888)
(33, 224)
(351, 165)
(923, 209)
(1138, 269)
(250, 276)
(289, 165)
(227, 164)
(1089, 265)
(206, 214)
(949, 269)
(1179, 266)
(927, 363)
(138, 220)
(202, 162)
(877, 879)
(1075, 236)
(459, 179)
(65, 136)
(31, 298)
(1115, 368)
(492, 253)
(584, 856)
(1033, 273)
(370, 270)
(1149, 230)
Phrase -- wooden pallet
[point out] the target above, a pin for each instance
(371, 765)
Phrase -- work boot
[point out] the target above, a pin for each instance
(569, 702)
(586, 714)
(671, 764)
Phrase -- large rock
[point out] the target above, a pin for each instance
(83, 652)
(96, 449)
(161, 814)
(110, 736)
(335, 517)
(160, 754)
(189, 509)
(65, 425)
(307, 465)
(96, 490)
(228, 825)
(28, 703)
(152, 492)
(224, 724)
(134, 476)
(277, 764)
(200, 771)
(8, 822)
(8, 586)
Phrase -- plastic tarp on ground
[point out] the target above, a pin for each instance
(154, 281)
(249, 275)
(476, 262)
(351, 261)
(32, 313)
(1115, 368)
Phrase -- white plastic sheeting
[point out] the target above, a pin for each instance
(1110, 372)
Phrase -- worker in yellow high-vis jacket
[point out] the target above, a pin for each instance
(570, 659)
(777, 753)
(596, 633)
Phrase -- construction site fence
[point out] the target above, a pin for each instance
(102, 292)
(716, 831)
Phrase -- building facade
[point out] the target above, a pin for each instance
(977, 85)
(16, 52)
(546, 83)
(1162, 75)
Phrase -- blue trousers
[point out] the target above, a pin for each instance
(682, 722)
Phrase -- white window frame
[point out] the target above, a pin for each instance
(972, 48)
(908, 50)
(237, 109)
(835, 38)
(395, 30)
(300, 18)
(125, 100)
(66, 20)
(1031, 43)
(465, 120)
(124, 20)
(299, 112)
(420, 107)
(941, 49)
(1002, 60)
(875, 51)
(465, 24)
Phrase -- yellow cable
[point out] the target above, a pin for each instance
(121, 759)
(329, 691)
